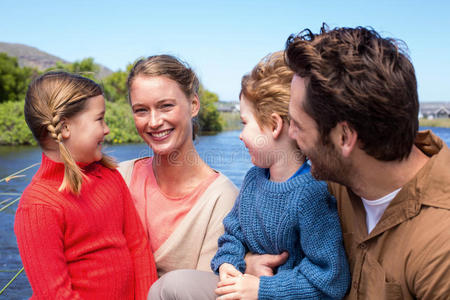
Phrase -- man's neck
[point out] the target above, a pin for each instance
(374, 179)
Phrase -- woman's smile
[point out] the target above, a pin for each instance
(161, 135)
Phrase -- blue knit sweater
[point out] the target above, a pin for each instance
(298, 216)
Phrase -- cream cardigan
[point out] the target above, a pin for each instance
(194, 242)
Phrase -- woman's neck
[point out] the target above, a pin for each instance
(178, 173)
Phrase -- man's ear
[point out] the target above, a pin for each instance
(345, 138)
(65, 128)
(277, 125)
(195, 106)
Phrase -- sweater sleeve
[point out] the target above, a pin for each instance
(143, 261)
(231, 243)
(39, 230)
(224, 204)
(323, 272)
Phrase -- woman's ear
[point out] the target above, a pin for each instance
(65, 128)
(195, 106)
(277, 125)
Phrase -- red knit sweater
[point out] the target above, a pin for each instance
(90, 246)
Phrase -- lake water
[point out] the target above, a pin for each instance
(223, 152)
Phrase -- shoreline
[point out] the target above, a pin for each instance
(444, 123)
(436, 123)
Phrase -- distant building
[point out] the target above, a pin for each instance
(227, 106)
(434, 110)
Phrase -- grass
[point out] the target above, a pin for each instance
(435, 122)
(231, 121)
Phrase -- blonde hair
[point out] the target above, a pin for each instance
(267, 88)
(50, 98)
(171, 67)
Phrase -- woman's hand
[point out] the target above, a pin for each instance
(243, 287)
(264, 264)
(228, 271)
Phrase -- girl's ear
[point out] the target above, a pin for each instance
(65, 128)
(277, 125)
(195, 106)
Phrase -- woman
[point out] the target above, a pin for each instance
(180, 199)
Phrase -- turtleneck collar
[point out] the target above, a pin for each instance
(54, 171)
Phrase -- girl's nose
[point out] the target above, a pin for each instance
(105, 130)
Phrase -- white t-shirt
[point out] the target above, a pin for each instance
(376, 208)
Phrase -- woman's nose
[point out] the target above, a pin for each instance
(155, 120)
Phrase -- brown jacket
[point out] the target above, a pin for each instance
(407, 254)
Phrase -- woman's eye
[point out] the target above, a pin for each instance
(139, 110)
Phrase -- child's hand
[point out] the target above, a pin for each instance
(264, 264)
(228, 271)
(244, 287)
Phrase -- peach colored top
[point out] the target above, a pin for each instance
(160, 213)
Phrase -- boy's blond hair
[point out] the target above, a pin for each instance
(267, 87)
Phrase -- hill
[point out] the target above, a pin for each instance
(35, 58)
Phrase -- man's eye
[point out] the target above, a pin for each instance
(167, 105)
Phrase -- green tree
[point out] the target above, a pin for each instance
(115, 85)
(14, 79)
(121, 124)
(86, 67)
(209, 118)
(13, 128)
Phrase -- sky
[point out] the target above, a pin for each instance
(223, 40)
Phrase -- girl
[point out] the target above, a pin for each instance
(78, 233)
(280, 208)
(180, 199)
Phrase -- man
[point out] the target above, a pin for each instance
(353, 111)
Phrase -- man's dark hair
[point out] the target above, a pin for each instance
(355, 75)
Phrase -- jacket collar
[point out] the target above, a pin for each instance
(430, 187)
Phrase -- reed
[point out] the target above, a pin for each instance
(7, 203)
